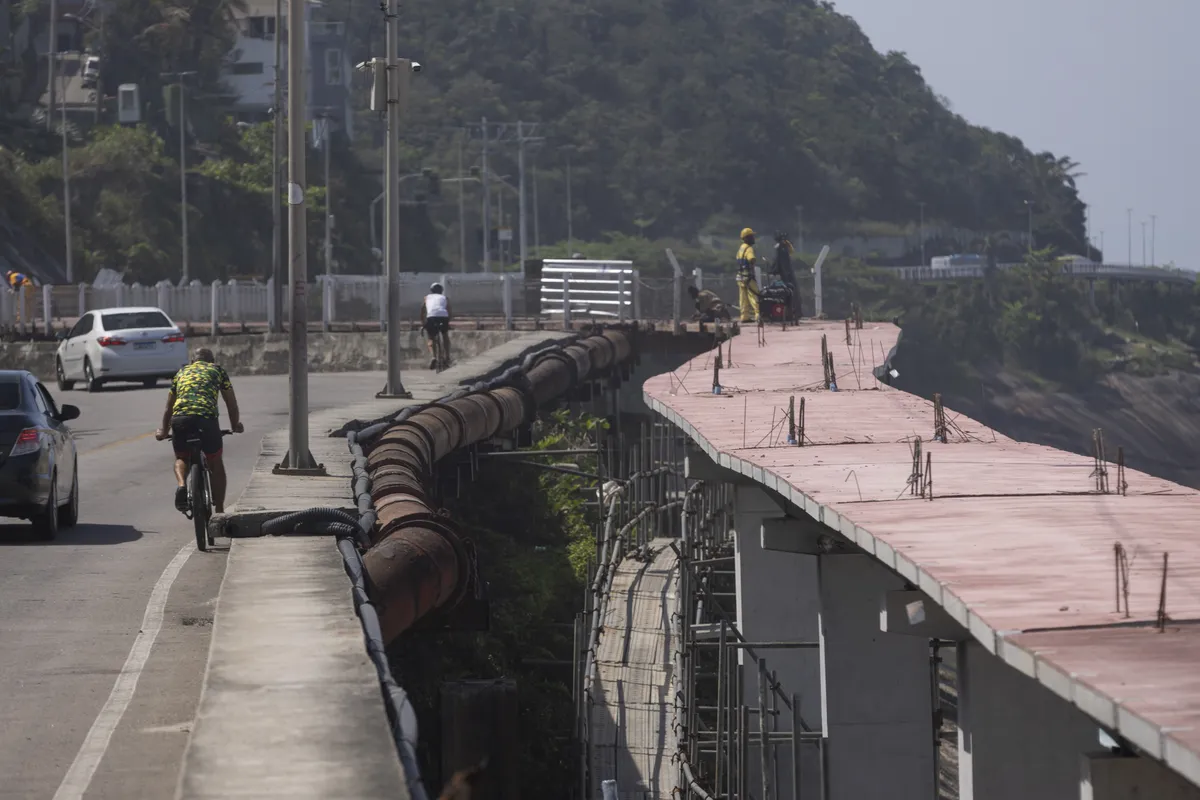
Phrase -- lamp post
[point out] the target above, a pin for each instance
(181, 76)
(922, 232)
(1029, 240)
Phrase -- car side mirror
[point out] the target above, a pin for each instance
(68, 413)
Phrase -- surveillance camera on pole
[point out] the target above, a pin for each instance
(389, 90)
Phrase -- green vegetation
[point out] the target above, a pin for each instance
(534, 537)
(678, 119)
(1036, 320)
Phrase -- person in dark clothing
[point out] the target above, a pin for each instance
(782, 266)
(709, 307)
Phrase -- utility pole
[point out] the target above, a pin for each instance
(462, 207)
(299, 460)
(52, 57)
(327, 145)
(66, 168)
(521, 194)
(183, 202)
(570, 227)
(1129, 235)
(922, 233)
(537, 228)
(487, 199)
(276, 165)
(522, 140)
(799, 229)
(397, 75)
(1153, 235)
(1029, 206)
(1143, 243)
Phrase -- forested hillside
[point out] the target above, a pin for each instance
(678, 109)
(678, 117)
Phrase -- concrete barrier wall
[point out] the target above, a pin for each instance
(267, 353)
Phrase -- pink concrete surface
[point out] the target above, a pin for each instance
(1016, 531)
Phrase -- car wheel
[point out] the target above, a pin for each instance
(63, 384)
(89, 377)
(68, 515)
(45, 524)
(150, 383)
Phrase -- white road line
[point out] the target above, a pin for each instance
(79, 776)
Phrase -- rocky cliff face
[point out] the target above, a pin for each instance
(1156, 419)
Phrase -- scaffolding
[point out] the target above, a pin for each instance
(733, 732)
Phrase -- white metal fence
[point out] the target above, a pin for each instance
(584, 289)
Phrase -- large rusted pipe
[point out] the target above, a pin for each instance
(418, 562)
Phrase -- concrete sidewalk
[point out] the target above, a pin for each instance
(292, 705)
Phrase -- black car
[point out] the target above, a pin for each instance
(39, 480)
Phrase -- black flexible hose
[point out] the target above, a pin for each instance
(288, 523)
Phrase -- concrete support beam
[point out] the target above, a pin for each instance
(877, 690)
(801, 536)
(777, 601)
(910, 612)
(1109, 776)
(1016, 738)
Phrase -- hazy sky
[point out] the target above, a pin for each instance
(1114, 84)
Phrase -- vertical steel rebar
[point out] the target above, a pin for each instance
(764, 743)
(795, 746)
(722, 687)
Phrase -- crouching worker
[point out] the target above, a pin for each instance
(709, 307)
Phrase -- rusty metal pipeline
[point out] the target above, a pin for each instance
(418, 562)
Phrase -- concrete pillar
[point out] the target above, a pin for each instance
(1016, 738)
(778, 601)
(876, 689)
(1109, 776)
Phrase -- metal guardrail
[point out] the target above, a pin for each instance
(1093, 271)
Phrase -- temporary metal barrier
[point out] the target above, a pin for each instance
(590, 289)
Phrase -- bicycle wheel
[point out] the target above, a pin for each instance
(200, 508)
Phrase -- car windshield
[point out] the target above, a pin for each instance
(10, 395)
(127, 320)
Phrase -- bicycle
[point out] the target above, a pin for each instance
(199, 487)
(441, 354)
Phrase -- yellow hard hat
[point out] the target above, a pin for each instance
(747, 232)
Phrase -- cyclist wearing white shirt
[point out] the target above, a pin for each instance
(435, 319)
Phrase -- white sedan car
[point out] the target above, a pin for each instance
(120, 344)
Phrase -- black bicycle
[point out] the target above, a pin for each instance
(199, 490)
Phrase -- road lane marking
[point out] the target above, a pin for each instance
(83, 768)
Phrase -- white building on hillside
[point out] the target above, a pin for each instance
(250, 72)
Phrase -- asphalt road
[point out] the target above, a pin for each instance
(71, 610)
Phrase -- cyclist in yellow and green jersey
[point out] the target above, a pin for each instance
(192, 410)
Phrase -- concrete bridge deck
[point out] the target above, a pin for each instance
(1014, 541)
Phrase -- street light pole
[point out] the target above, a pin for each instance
(521, 193)
(570, 227)
(398, 73)
(1153, 235)
(299, 459)
(462, 207)
(183, 203)
(1029, 241)
(487, 199)
(52, 57)
(1143, 243)
(277, 146)
(328, 145)
(922, 232)
(66, 169)
(1129, 235)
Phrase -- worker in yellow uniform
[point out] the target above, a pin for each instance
(747, 285)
